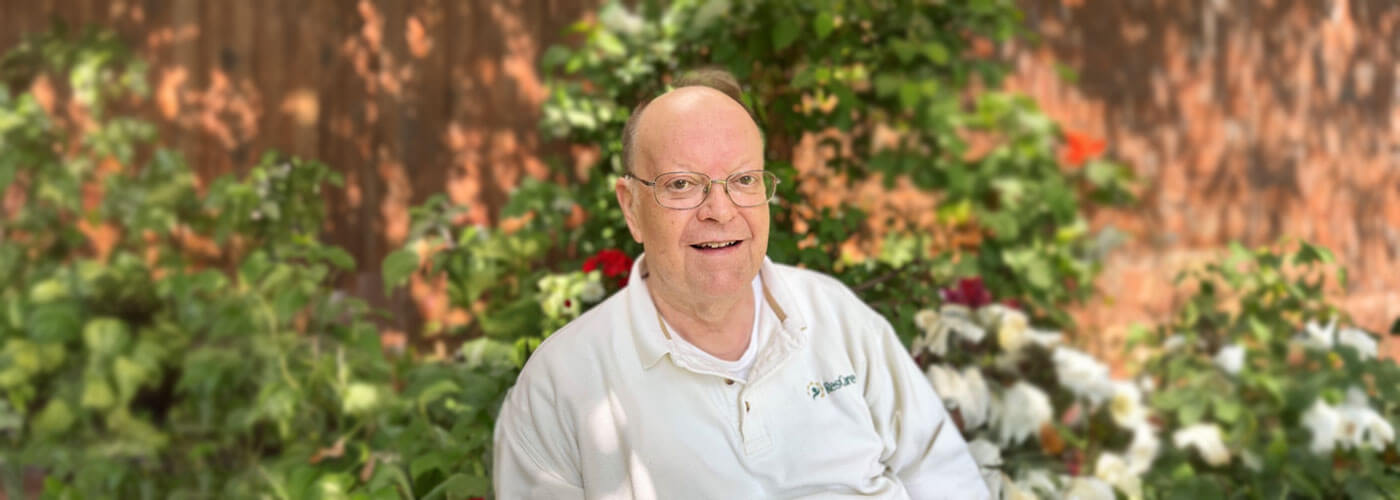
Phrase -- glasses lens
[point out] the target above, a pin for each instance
(680, 189)
(752, 188)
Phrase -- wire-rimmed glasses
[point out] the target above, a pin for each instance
(687, 190)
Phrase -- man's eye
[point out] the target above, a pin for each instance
(679, 185)
(746, 180)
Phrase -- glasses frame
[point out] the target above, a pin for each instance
(712, 181)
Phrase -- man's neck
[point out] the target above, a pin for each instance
(720, 326)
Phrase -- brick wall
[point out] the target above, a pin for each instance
(1248, 121)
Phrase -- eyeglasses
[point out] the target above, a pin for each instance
(687, 190)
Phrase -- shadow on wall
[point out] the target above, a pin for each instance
(405, 98)
(1248, 121)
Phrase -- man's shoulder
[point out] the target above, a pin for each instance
(580, 345)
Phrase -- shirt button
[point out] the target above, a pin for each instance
(729, 381)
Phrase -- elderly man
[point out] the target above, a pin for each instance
(717, 373)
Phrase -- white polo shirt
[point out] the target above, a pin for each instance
(833, 408)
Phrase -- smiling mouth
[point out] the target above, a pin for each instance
(715, 245)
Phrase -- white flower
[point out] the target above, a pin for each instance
(1022, 409)
(1365, 345)
(1113, 470)
(1043, 338)
(958, 319)
(1142, 451)
(1361, 425)
(925, 318)
(1147, 383)
(1316, 336)
(966, 392)
(1205, 438)
(935, 337)
(1012, 325)
(977, 406)
(593, 290)
(1230, 358)
(1352, 424)
(1126, 405)
(1088, 488)
(559, 297)
(1324, 422)
(1083, 375)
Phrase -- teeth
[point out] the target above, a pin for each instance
(716, 244)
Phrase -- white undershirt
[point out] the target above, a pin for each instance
(697, 359)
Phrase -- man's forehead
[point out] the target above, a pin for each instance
(696, 116)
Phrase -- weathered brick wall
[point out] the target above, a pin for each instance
(1248, 121)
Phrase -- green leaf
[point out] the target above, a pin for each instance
(427, 462)
(398, 267)
(461, 486)
(1309, 253)
(1395, 326)
(485, 351)
(936, 53)
(55, 418)
(54, 323)
(105, 336)
(1261, 330)
(129, 376)
(434, 392)
(1227, 410)
(360, 397)
(1191, 412)
(784, 33)
(823, 24)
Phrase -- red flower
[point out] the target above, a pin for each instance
(1080, 147)
(614, 264)
(969, 292)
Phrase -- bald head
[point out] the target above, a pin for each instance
(714, 79)
(685, 125)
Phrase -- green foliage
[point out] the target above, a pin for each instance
(136, 364)
(1270, 303)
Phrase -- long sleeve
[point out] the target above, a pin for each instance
(529, 464)
(922, 444)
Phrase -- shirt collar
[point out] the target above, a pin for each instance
(650, 334)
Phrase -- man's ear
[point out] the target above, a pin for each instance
(624, 199)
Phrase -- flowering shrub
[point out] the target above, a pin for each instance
(1041, 418)
(1265, 391)
(1247, 390)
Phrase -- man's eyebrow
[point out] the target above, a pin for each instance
(743, 166)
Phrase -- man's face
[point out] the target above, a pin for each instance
(696, 129)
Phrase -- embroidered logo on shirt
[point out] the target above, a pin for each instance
(821, 389)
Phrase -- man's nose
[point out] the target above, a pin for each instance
(717, 206)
